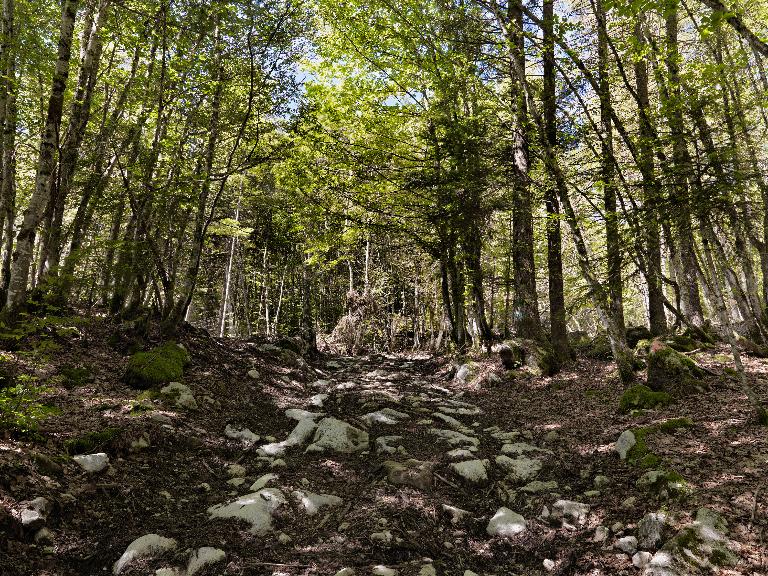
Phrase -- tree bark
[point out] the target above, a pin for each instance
(45, 163)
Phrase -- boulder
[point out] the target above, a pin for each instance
(92, 462)
(243, 434)
(147, 546)
(537, 357)
(35, 512)
(700, 547)
(673, 372)
(298, 436)
(521, 468)
(338, 436)
(180, 394)
(313, 502)
(625, 443)
(506, 523)
(383, 445)
(575, 511)
(256, 508)
(640, 397)
(637, 333)
(627, 544)
(412, 472)
(471, 471)
(164, 363)
(205, 556)
(650, 530)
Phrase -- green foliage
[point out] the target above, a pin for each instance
(20, 406)
(164, 363)
(640, 396)
(92, 442)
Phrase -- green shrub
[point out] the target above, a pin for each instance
(642, 397)
(164, 363)
(20, 408)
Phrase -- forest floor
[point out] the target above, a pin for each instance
(181, 468)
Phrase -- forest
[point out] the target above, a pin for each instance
(460, 287)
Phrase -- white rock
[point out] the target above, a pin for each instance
(549, 564)
(453, 438)
(92, 462)
(318, 400)
(452, 423)
(299, 414)
(262, 481)
(601, 534)
(313, 502)
(383, 536)
(169, 572)
(649, 529)
(381, 570)
(242, 434)
(338, 436)
(298, 436)
(576, 511)
(461, 453)
(506, 523)
(235, 471)
(472, 471)
(253, 374)
(624, 443)
(386, 416)
(521, 468)
(470, 573)
(35, 513)
(383, 444)
(346, 572)
(203, 557)
(428, 570)
(149, 545)
(641, 559)
(627, 544)
(456, 514)
(519, 448)
(256, 508)
(181, 394)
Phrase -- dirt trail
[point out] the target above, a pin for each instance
(375, 463)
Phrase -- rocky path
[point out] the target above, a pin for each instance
(377, 465)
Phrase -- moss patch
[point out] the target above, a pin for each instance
(639, 454)
(92, 441)
(76, 376)
(642, 397)
(164, 363)
(669, 369)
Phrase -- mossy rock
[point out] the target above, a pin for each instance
(92, 442)
(669, 370)
(701, 546)
(640, 454)
(162, 364)
(664, 483)
(537, 357)
(641, 397)
(599, 348)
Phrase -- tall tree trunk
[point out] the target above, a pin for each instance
(525, 307)
(651, 189)
(8, 175)
(607, 172)
(78, 120)
(691, 299)
(45, 163)
(557, 318)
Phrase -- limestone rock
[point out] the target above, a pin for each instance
(204, 556)
(506, 523)
(383, 444)
(382, 570)
(147, 546)
(625, 443)
(641, 559)
(181, 394)
(35, 513)
(472, 471)
(298, 436)
(521, 468)
(456, 514)
(338, 436)
(243, 434)
(387, 416)
(255, 508)
(650, 528)
(627, 544)
(92, 462)
(262, 481)
(313, 502)
(538, 486)
(576, 511)
(455, 439)
(412, 472)
(299, 414)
